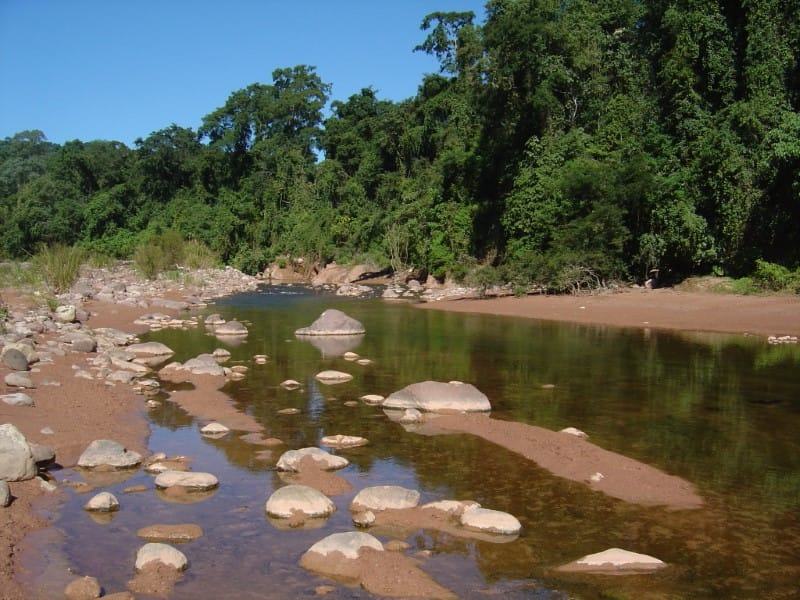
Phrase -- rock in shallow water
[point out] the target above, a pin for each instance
(102, 502)
(343, 441)
(490, 521)
(84, 588)
(109, 454)
(171, 533)
(437, 396)
(231, 328)
(333, 377)
(214, 429)
(290, 460)
(333, 322)
(615, 560)
(189, 480)
(383, 497)
(161, 553)
(349, 544)
(285, 502)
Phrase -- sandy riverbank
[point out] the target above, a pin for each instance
(657, 309)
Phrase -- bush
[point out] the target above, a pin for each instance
(775, 278)
(149, 260)
(196, 255)
(59, 265)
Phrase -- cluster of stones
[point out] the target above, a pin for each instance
(782, 339)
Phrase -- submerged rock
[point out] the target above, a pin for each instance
(343, 441)
(616, 561)
(16, 458)
(490, 521)
(287, 501)
(231, 328)
(384, 497)
(83, 588)
(291, 459)
(110, 454)
(436, 396)
(181, 533)
(161, 553)
(333, 322)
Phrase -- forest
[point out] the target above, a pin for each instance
(560, 139)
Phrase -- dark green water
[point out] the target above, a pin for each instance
(720, 411)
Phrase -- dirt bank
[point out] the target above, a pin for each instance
(658, 309)
(574, 458)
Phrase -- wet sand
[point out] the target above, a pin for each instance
(657, 309)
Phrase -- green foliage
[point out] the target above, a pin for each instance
(576, 143)
(776, 278)
(59, 266)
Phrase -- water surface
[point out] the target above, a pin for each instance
(720, 411)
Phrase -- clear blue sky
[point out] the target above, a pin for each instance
(114, 69)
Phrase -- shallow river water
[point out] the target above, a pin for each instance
(720, 411)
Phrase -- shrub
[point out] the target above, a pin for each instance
(59, 266)
(196, 255)
(776, 278)
(149, 260)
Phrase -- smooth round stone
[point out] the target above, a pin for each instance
(350, 356)
(490, 521)
(373, 399)
(14, 359)
(161, 553)
(383, 497)
(333, 322)
(233, 328)
(150, 349)
(18, 399)
(290, 460)
(214, 429)
(285, 502)
(349, 544)
(290, 384)
(574, 431)
(181, 533)
(16, 457)
(343, 441)
(333, 377)
(190, 480)
(364, 519)
(102, 502)
(83, 588)
(289, 411)
(42, 455)
(436, 396)
(364, 362)
(615, 560)
(221, 354)
(108, 453)
(19, 379)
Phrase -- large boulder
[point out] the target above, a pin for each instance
(108, 454)
(288, 501)
(437, 396)
(384, 497)
(615, 561)
(16, 458)
(333, 322)
(291, 459)
(349, 545)
(161, 553)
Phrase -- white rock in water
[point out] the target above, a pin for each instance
(18, 399)
(490, 521)
(150, 349)
(232, 328)
(161, 553)
(575, 432)
(215, 429)
(290, 384)
(333, 377)
(16, 458)
(373, 399)
(348, 544)
(364, 519)
(383, 497)
(291, 499)
(436, 396)
(451, 507)
(191, 480)
(615, 560)
(290, 460)
(350, 356)
(108, 453)
(411, 415)
(203, 364)
(102, 502)
(343, 441)
(333, 322)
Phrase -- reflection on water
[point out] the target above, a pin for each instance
(720, 411)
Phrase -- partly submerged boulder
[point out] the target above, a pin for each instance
(437, 396)
(349, 545)
(108, 454)
(384, 497)
(288, 501)
(333, 322)
(291, 459)
(490, 521)
(615, 561)
(163, 554)
(231, 328)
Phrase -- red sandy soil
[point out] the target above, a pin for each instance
(79, 411)
(574, 458)
(657, 309)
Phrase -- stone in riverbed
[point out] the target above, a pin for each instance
(290, 384)
(16, 458)
(490, 521)
(287, 501)
(65, 314)
(349, 545)
(80, 342)
(436, 396)
(343, 441)
(18, 399)
(102, 502)
(331, 377)
(410, 415)
(615, 561)
(332, 322)
(150, 349)
(83, 588)
(43, 455)
(291, 459)
(161, 553)
(203, 364)
(372, 399)
(364, 519)
(574, 431)
(108, 454)
(171, 533)
(383, 497)
(5, 494)
(14, 359)
(19, 379)
(215, 429)
(189, 480)
(231, 328)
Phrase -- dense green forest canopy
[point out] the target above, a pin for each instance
(611, 136)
